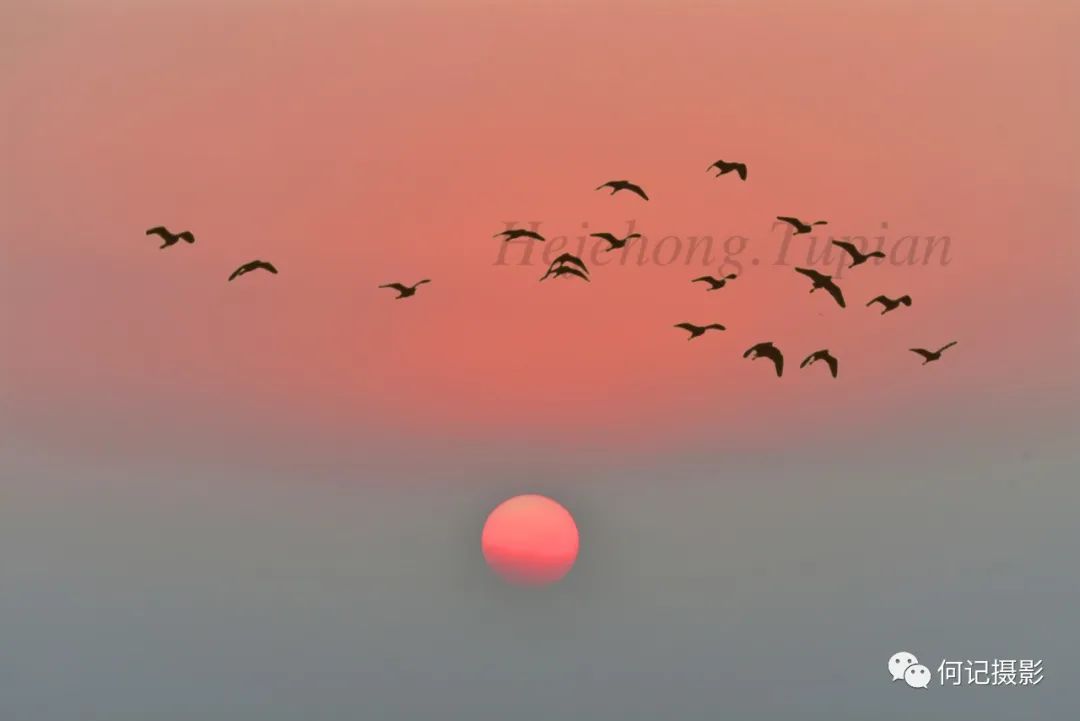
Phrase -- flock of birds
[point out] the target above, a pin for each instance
(569, 265)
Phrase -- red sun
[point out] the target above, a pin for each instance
(530, 540)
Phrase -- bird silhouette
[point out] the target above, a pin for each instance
(934, 355)
(800, 227)
(696, 330)
(857, 258)
(614, 242)
(767, 350)
(822, 355)
(565, 259)
(724, 167)
(617, 185)
(716, 283)
(515, 233)
(171, 238)
(253, 265)
(891, 303)
(823, 281)
(405, 291)
(566, 270)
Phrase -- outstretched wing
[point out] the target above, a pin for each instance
(266, 266)
(740, 168)
(716, 326)
(160, 230)
(789, 220)
(811, 274)
(773, 353)
(945, 347)
(605, 236)
(706, 278)
(849, 247)
(923, 352)
(421, 282)
(396, 286)
(569, 270)
(610, 184)
(635, 189)
(834, 291)
(834, 365)
(880, 299)
(187, 236)
(809, 359)
(240, 271)
(572, 259)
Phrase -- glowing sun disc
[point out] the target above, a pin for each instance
(530, 540)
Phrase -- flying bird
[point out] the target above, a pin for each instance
(823, 281)
(171, 238)
(515, 233)
(617, 185)
(767, 350)
(565, 259)
(566, 270)
(253, 265)
(932, 355)
(725, 167)
(696, 330)
(613, 241)
(800, 227)
(405, 291)
(716, 283)
(891, 303)
(822, 355)
(857, 258)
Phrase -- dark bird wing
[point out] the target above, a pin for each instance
(706, 278)
(605, 236)
(717, 326)
(945, 347)
(572, 259)
(813, 275)
(160, 230)
(421, 282)
(187, 236)
(809, 359)
(923, 352)
(834, 291)
(636, 189)
(773, 353)
(834, 365)
(687, 326)
(610, 184)
(789, 220)
(239, 272)
(849, 247)
(396, 286)
(570, 270)
(880, 299)
(263, 265)
(740, 168)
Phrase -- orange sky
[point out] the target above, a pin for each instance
(358, 146)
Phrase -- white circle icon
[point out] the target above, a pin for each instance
(917, 676)
(899, 663)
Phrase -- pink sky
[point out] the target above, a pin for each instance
(358, 146)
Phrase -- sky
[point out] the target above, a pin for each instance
(263, 499)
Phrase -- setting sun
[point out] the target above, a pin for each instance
(530, 540)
